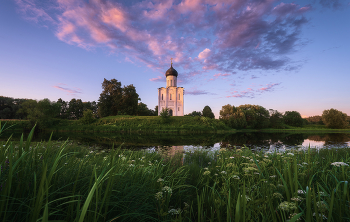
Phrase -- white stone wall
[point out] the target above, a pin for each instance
(172, 98)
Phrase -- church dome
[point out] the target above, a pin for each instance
(171, 72)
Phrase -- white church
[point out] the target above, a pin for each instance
(171, 97)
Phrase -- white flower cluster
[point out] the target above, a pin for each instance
(174, 211)
(160, 180)
(167, 189)
(206, 173)
(290, 154)
(287, 206)
(235, 177)
(301, 192)
(223, 172)
(159, 195)
(338, 164)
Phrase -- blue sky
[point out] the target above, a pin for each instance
(282, 55)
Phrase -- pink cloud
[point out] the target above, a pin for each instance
(158, 79)
(251, 92)
(232, 35)
(68, 90)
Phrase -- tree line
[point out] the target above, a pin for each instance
(117, 100)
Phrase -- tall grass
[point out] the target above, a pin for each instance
(61, 181)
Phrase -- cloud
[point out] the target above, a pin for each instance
(158, 79)
(196, 92)
(252, 93)
(68, 90)
(201, 35)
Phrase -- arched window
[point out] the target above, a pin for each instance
(162, 96)
(171, 82)
(178, 108)
(170, 96)
(179, 96)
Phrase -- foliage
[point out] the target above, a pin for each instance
(42, 112)
(114, 99)
(195, 113)
(276, 119)
(9, 108)
(165, 115)
(335, 119)
(208, 113)
(66, 182)
(245, 116)
(315, 120)
(88, 117)
(293, 118)
(142, 110)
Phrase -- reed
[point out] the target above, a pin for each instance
(63, 181)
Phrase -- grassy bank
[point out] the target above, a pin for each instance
(155, 124)
(62, 181)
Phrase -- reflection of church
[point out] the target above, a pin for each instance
(171, 97)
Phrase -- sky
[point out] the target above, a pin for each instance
(282, 55)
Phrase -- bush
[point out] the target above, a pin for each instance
(88, 117)
(334, 119)
(165, 115)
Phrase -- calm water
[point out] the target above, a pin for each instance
(172, 142)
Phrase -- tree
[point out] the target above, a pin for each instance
(194, 113)
(129, 101)
(42, 112)
(293, 118)
(142, 110)
(257, 117)
(276, 119)
(227, 111)
(334, 119)
(116, 100)
(63, 109)
(207, 112)
(165, 115)
(156, 111)
(88, 117)
(75, 109)
(110, 98)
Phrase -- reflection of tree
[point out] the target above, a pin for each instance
(294, 139)
(337, 138)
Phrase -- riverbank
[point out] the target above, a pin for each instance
(155, 124)
(69, 182)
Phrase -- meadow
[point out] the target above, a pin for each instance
(63, 181)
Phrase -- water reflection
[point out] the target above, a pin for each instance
(182, 142)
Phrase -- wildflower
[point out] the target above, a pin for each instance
(304, 163)
(279, 154)
(290, 154)
(301, 192)
(320, 215)
(235, 177)
(159, 196)
(256, 173)
(167, 189)
(247, 198)
(297, 198)
(223, 172)
(248, 169)
(238, 150)
(222, 150)
(206, 173)
(209, 163)
(287, 206)
(266, 156)
(216, 174)
(123, 158)
(338, 164)
(273, 176)
(205, 168)
(230, 165)
(91, 151)
(277, 196)
(232, 157)
(160, 180)
(321, 205)
(174, 211)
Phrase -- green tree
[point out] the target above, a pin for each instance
(75, 109)
(156, 111)
(276, 119)
(42, 112)
(63, 108)
(293, 118)
(257, 117)
(195, 113)
(207, 112)
(129, 101)
(110, 98)
(88, 117)
(226, 112)
(335, 119)
(165, 115)
(143, 110)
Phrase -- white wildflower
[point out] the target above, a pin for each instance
(338, 164)
(167, 189)
(223, 172)
(287, 206)
(290, 154)
(206, 173)
(159, 196)
(174, 211)
(235, 177)
(160, 180)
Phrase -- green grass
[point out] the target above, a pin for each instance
(124, 123)
(61, 181)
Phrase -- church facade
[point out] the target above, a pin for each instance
(171, 97)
